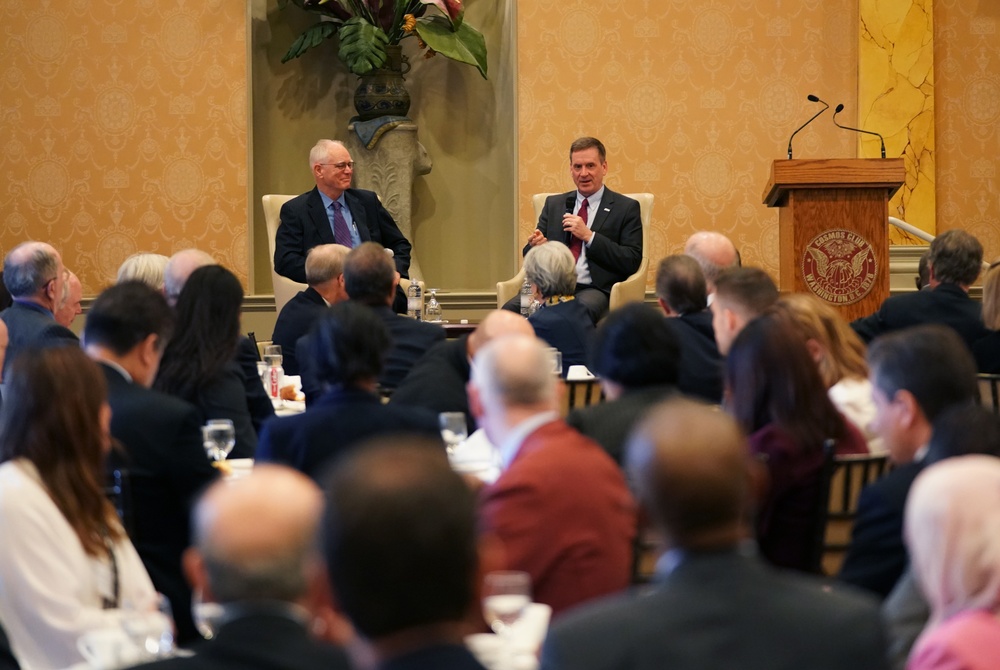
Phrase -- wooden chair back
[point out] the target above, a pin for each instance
(989, 392)
(850, 475)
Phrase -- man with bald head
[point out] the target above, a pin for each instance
(438, 379)
(255, 553)
(179, 268)
(34, 274)
(560, 507)
(714, 252)
(69, 307)
(717, 605)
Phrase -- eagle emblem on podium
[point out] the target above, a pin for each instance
(839, 266)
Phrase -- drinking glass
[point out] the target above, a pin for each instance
(454, 430)
(432, 311)
(556, 357)
(272, 350)
(219, 438)
(506, 595)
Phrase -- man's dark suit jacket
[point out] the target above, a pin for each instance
(296, 318)
(987, 353)
(259, 641)
(699, 371)
(225, 397)
(258, 403)
(616, 250)
(167, 467)
(567, 327)
(439, 657)
(31, 326)
(724, 610)
(609, 423)
(948, 304)
(336, 422)
(437, 381)
(876, 557)
(305, 224)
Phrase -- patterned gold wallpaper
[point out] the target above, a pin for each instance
(123, 128)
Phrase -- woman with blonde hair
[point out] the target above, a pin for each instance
(67, 567)
(147, 268)
(839, 355)
(987, 350)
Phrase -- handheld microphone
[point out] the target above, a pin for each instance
(811, 98)
(570, 204)
(881, 139)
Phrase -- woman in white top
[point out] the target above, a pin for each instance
(66, 565)
(840, 355)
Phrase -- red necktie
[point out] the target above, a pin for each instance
(340, 230)
(576, 244)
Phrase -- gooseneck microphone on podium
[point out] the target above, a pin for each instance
(839, 109)
(811, 98)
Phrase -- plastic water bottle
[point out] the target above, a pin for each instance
(415, 300)
(526, 298)
(274, 376)
(433, 311)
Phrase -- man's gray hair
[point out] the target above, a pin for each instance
(551, 268)
(179, 268)
(955, 257)
(325, 262)
(514, 370)
(321, 150)
(29, 267)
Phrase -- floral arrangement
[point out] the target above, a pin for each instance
(365, 28)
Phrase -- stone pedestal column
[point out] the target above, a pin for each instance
(389, 169)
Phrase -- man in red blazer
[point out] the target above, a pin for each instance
(561, 507)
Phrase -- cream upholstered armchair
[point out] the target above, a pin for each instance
(633, 289)
(284, 288)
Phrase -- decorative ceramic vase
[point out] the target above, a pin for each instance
(382, 92)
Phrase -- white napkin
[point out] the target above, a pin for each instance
(579, 373)
(476, 456)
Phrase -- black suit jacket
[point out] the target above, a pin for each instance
(987, 353)
(437, 381)
(609, 423)
(438, 657)
(305, 224)
(258, 403)
(296, 318)
(722, 611)
(333, 424)
(259, 641)
(948, 304)
(699, 371)
(567, 327)
(616, 250)
(30, 326)
(167, 467)
(877, 557)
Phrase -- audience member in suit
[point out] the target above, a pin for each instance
(959, 430)
(126, 331)
(715, 603)
(715, 253)
(955, 262)
(560, 507)
(635, 356)
(255, 553)
(312, 218)
(6, 299)
(923, 278)
(69, 307)
(147, 268)
(953, 534)
(741, 295)
(176, 273)
(403, 555)
(605, 237)
(33, 272)
(325, 276)
(437, 382)
(916, 374)
(681, 293)
(198, 363)
(371, 280)
(348, 345)
(561, 319)
(774, 391)
(986, 351)
(840, 356)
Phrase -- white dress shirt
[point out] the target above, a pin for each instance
(593, 206)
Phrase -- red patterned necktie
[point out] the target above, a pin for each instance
(576, 244)
(340, 230)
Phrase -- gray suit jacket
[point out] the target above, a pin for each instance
(30, 326)
(722, 611)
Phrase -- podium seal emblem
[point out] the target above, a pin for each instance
(839, 266)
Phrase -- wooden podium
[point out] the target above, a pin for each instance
(833, 235)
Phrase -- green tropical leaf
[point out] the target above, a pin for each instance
(464, 44)
(362, 46)
(313, 36)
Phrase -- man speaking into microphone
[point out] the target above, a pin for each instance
(602, 228)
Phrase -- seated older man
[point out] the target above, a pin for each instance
(561, 320)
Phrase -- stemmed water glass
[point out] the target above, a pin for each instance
(219, 438)
(506, 595)
(454, 429)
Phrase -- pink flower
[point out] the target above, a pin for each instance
(453, 9)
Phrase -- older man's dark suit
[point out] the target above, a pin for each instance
(333, 424)
(725, 610)
(609, 423)
(437, 381)
(947, 304)
(259, 641)
(167, 467)
(32, 326)
(567, 327)
(616, 250)
(699, 370)
(306, 224)
(296, 318)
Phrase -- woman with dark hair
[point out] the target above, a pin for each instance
(66, 564)
(774, 391)
(199, 361)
